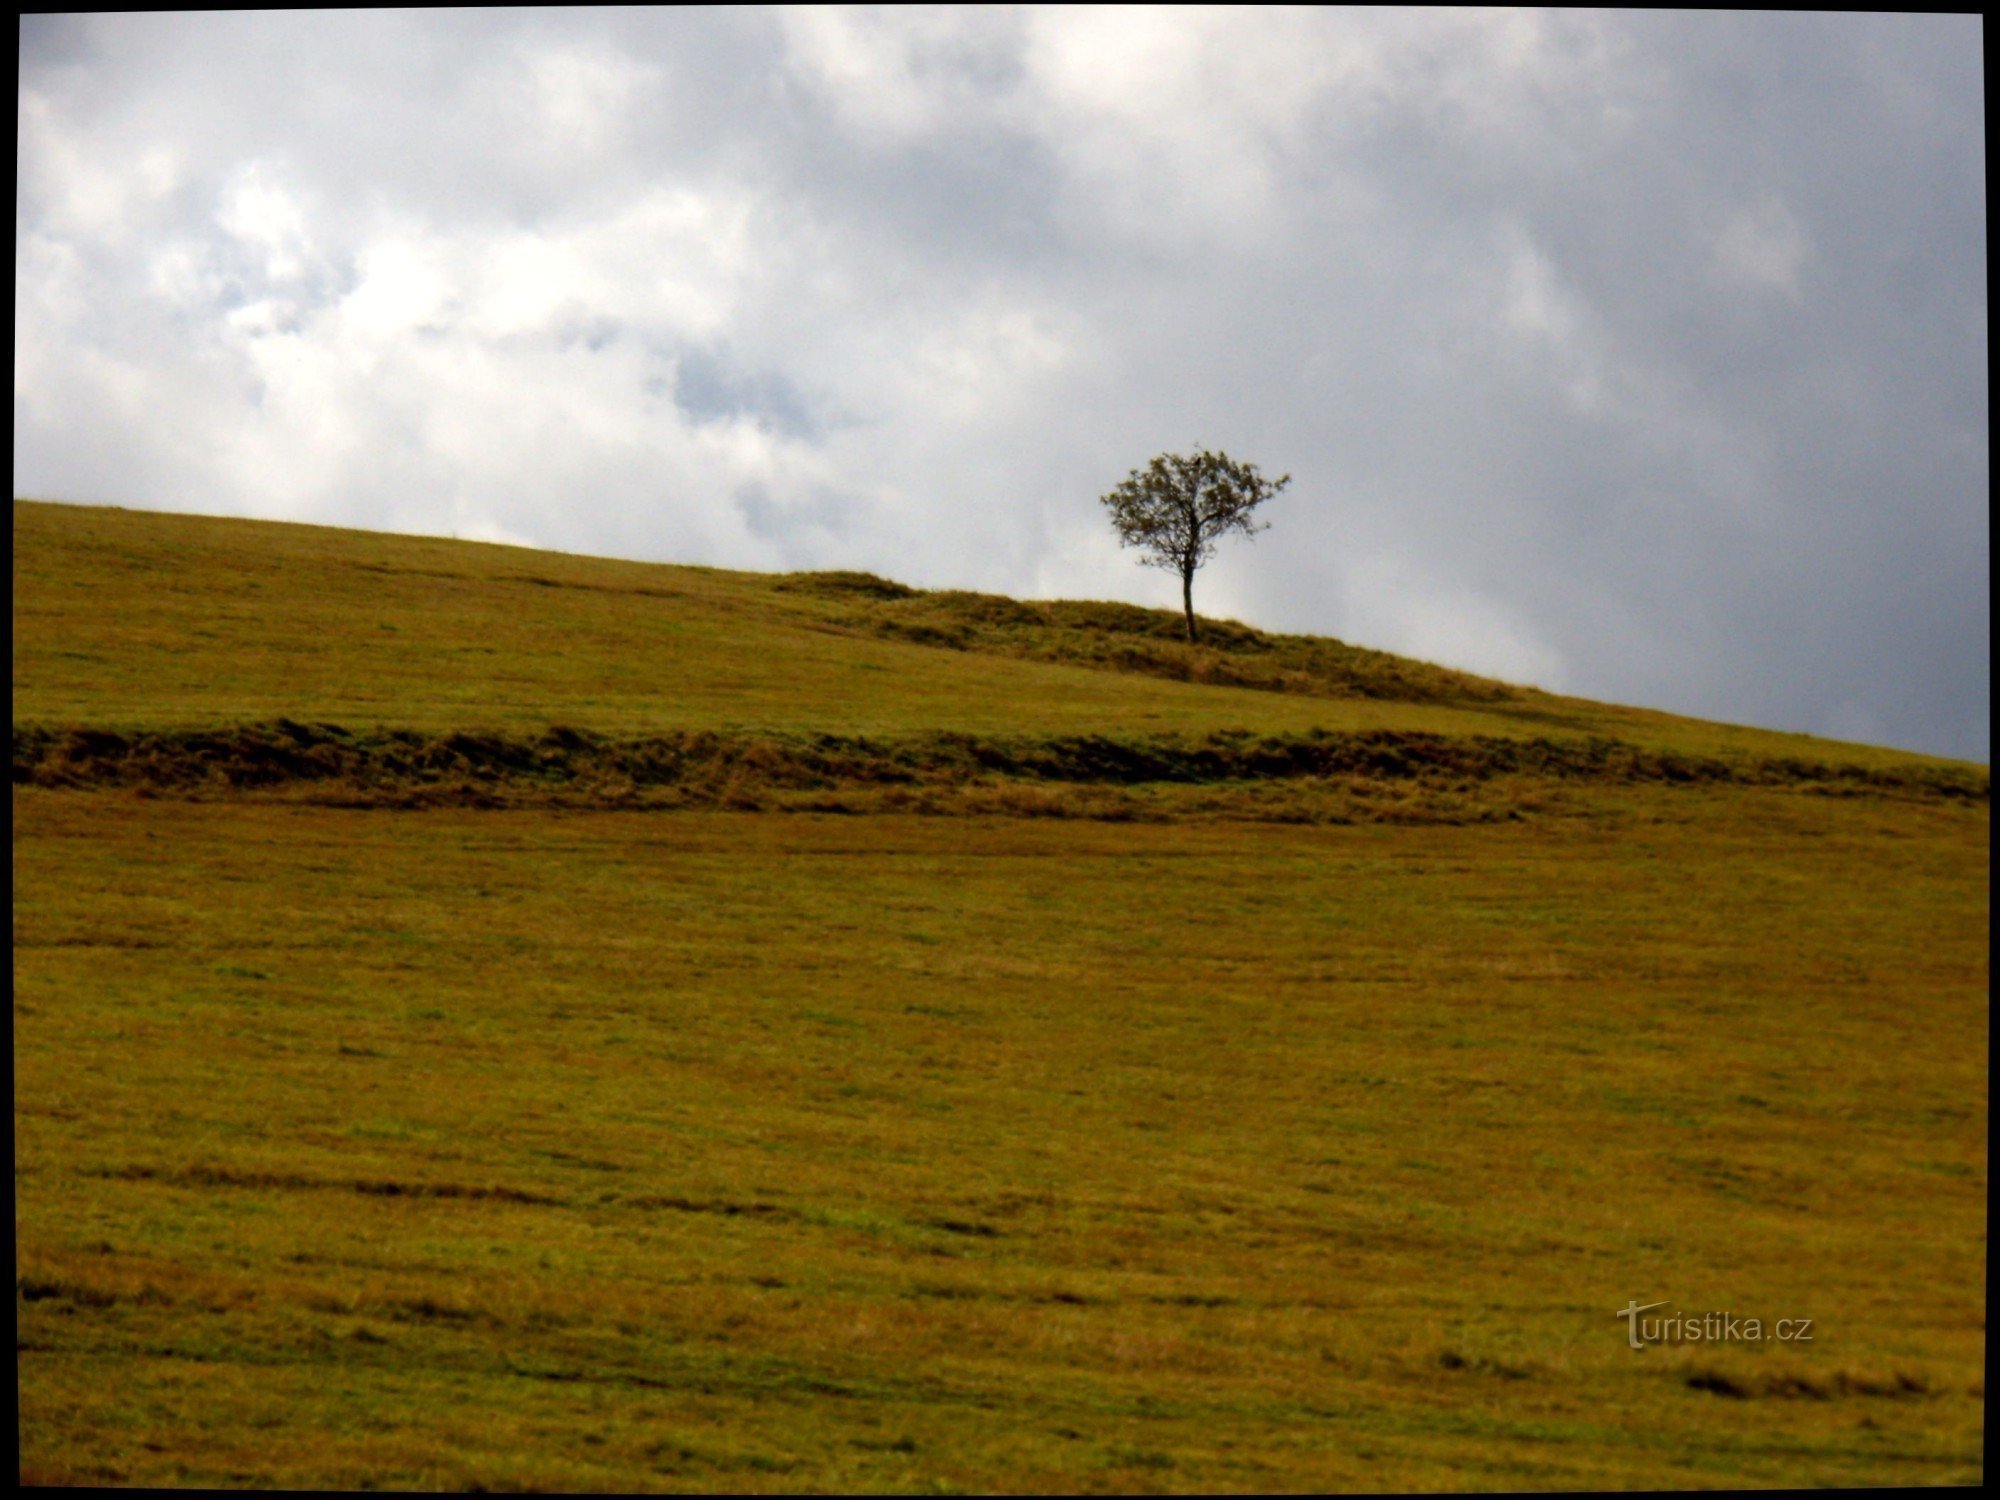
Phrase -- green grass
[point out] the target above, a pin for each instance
(1156, 1145)
(147, 620)
(603, 1148)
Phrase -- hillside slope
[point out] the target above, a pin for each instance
(147, 619)
(538, 1140)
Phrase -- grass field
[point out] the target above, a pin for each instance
(139, 620)
(1191, 1138)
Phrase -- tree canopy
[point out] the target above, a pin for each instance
(1178, 506)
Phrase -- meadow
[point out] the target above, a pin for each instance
(133, 620)
(443, 1123)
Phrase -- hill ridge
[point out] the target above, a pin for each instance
(151, 621)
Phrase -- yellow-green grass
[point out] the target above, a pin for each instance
(736, 1151)
(541, 1144)
(136, 619)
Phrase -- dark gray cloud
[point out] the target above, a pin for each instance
(1642, 355)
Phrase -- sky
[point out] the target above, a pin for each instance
(1635, 355)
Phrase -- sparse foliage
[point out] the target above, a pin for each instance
(1178, 507)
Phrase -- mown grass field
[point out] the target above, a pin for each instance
(150, 620)
(567, 1144)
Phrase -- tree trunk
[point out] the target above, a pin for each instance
(1187, 600)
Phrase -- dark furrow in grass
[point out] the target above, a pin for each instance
(381, 766)
(211, 1176)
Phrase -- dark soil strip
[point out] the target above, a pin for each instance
(285, 754)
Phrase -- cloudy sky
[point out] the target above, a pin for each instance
(1636, 355)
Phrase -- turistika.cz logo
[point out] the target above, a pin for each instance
(1708, 1328)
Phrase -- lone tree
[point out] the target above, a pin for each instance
(1176, 509)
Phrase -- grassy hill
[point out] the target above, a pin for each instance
(145, 619)
(157, 625)
(495, 1018)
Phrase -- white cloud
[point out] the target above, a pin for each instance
(405, 282)
(582, 96)
(1546, 324)
(1396, 607)
(268, 216)
(1763, 246)
(1546, 84)
(79, 189)
(1180, 120)
(895, 73)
